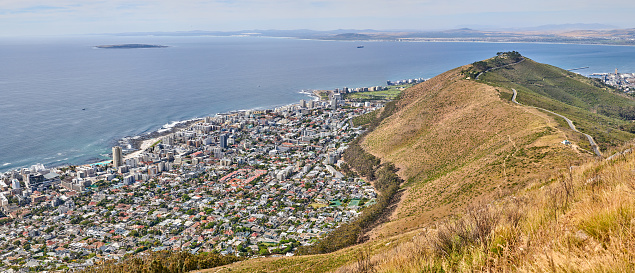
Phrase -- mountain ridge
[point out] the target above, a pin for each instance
(449, 130)
(593, 34)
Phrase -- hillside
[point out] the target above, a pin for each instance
(577, 221)
(594, 107)
(489, 183)
(456, 140)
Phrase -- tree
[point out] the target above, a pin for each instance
(480, 65)
(263, 251)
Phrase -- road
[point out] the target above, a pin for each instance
(594, 145)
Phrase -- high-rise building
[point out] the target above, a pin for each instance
(334, 102)
(27, 180)
(15, 184)
(223, 141)
(3, 200)
(117, 158)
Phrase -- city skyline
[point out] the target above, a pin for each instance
(69, 17)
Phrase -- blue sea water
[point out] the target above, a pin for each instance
(46, 82)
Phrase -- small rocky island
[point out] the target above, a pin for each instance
(125, 46)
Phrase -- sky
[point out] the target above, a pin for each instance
(71, 17)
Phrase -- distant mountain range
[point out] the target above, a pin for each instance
(552, 27)
(565, 33)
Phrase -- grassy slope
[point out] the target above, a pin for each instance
(456, 140)
(459, 142)
(566, 93)
(557, 221)
(576, 222)
(310, 263)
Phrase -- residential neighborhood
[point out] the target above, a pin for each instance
(246, 183)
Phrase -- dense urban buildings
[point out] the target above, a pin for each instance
(623, 81)
(245, 183)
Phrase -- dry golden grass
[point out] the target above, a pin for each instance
(457, 141)
(577, 221)
(313, 263)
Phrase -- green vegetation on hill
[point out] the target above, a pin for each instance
(364, 119)
(594, 108)
(371, 120)
(387, 184)
(163, 262)
(502, 59)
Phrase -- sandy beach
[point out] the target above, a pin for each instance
(144, 145)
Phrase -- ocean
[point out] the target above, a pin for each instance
(47, 82)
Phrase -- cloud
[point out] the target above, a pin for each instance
(41, 9)
(90, 16)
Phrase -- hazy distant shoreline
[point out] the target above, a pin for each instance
(556, 36)
(130, 46)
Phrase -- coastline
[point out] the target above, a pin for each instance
(133, 143)
(140, 143)
(145, 144)
(136, 144)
